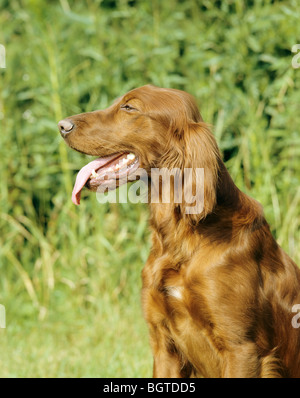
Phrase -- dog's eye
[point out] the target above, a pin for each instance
(128, 107)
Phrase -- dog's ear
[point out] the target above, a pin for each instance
(192, 149)
(201, 160)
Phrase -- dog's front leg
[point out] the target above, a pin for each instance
(243, 361)
(167, 362)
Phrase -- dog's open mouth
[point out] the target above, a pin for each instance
(108, 172)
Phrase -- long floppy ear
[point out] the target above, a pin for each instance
(201, 160)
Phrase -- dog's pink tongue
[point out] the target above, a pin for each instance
(84, 175)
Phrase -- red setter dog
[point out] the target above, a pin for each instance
(219, 294)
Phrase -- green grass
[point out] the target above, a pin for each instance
(69, 276)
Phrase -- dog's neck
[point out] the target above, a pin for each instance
(172, 228)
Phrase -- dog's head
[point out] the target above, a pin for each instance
(149, 127)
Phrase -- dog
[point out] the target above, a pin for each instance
(218, 291)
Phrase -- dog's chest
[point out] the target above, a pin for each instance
(164, 284)
(167, 299)
(173, 310)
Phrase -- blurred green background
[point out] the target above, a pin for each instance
(70, 276)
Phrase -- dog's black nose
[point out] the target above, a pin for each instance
(65, 127)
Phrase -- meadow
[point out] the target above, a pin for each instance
(70, 276)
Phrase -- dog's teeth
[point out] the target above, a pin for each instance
(114, 168)
(94, 174)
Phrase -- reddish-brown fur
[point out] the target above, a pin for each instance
(218, 291)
